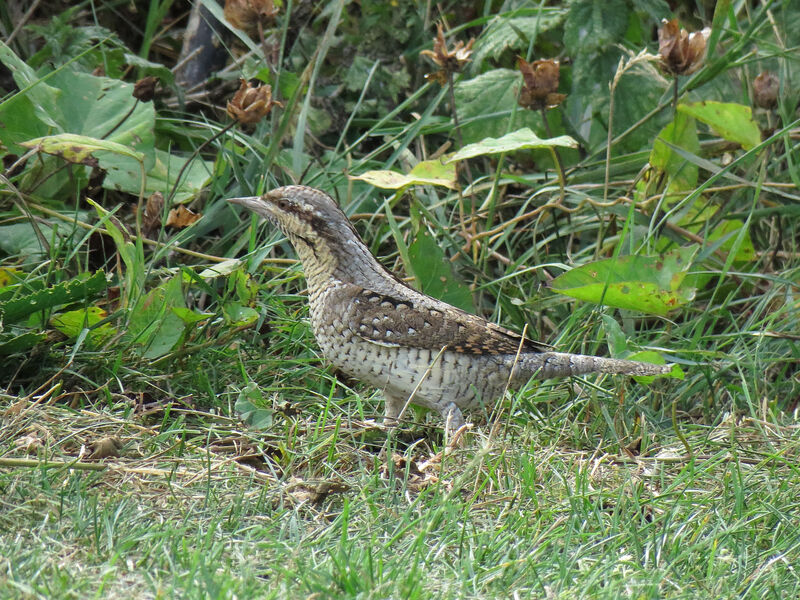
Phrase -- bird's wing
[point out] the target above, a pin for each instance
(421, 322)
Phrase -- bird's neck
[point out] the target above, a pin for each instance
(347, 260)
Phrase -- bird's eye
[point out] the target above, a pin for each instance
(283, 204)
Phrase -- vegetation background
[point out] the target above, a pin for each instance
(167, 426)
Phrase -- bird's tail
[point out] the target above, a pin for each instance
(546, 365)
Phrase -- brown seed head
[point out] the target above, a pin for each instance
(145, 88)
(448, 61)
(681, 52)
(540, 84)
(765, 90)
(250, 103)
(248, 14)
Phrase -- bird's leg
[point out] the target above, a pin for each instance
(392, 409)
(453, 419)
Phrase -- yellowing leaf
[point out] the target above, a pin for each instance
(651, 284)
(732, 121)
(521, 139)
(427, 172)
(79, 148)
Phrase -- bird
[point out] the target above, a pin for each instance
(374, 327)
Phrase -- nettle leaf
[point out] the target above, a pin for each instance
(486, 102)
(732, 121)
(427, 172)
(593, 24)
(651, 284)
(434, 273)
(521, 139)
(514, 33)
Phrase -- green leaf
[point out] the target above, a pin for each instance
(80, 287)
(154, 327)
(649, 284)
(161, 177)
(14, 344)
(593, 24)
(427, 172)
(486, 102)
(734, 122)
(514, 33)
(189, 316)
(434, 274)
(521, 139)
(239, 315)
(73, 322)
(248, 406)
(20, 239)
(682, 132)
(79, 148)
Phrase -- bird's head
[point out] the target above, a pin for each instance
(310, 219)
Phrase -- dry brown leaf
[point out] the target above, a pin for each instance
(180, 217)
(107, 447)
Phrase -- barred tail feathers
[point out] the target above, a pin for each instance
(548, 365)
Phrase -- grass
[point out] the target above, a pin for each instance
(236, 464)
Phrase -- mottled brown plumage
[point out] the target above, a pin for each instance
(376, 328)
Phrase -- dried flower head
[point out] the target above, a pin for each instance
(145, 88)
(250, 103)
(540, 84)
(448, 61)
(765, 89)
(681, 52)
(248, 14)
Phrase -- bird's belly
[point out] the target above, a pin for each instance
(435, 379)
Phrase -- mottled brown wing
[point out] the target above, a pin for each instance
(388, 320)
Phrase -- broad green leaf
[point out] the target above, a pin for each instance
(593, 24)
(427, 172)
(80, 148)
(434, 274)
(72, 322)
(732, 121)
(20, 239)
(80, 287)
(514, 33)
(521, 139)
(189, 316)
(485, 104)
(239, 315)
(162, 175)
(154, 327)
(649, 284)
(40, 99)
(681, 132)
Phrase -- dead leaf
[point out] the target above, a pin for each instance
(107, 447)
(180, 217)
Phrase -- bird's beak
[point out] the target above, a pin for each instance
(247, 201)
(255, 204)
